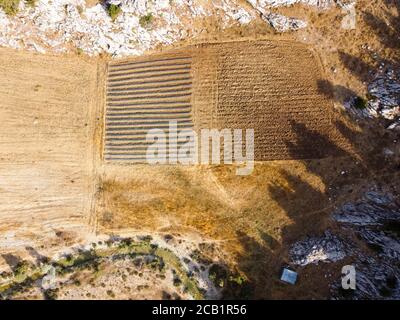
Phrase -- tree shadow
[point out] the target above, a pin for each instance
(357, 66)
(11, 260)
(39, 258)
(335, 92)
(388, 33)
(316, 144)
(345, 169)
(364, 67)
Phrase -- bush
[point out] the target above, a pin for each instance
(31, 3)
(10, 7)
(79, 8)
(113, 11)
(146, 21)
(146, 239)
(111, 293)
(218, 275)
(21, 268)
(177, 281)
(50, 294)
(360, 103)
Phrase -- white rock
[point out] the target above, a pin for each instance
(327, 248)
(52, 24)
(279, 3)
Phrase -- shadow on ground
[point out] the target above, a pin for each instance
(349, 173)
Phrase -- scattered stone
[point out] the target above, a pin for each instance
(385, 93)
(384, 98)
(394, 126)
(60, 26)
(388, 152)
(322, 4)
(279, 22)
(64, 25)
(375, 219)
(371, 210)
(282, 23)
(375, 279)
(328, 248)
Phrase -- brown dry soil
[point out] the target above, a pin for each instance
(56, 190)
(48, 115)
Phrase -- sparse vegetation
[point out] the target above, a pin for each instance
(146, 238)
(10, 7)
(21, 268)
(177, 281)
(142, 254)
(199, 257)
(107, 216)
(157, 264)
(238, 279)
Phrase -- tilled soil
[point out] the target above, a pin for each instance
(269, 86)
(144, 95)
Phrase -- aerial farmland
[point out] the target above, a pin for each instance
(171, 150)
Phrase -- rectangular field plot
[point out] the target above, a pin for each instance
(144, 95)
(269, 86)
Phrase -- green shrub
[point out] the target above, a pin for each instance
(177, 281)
(113, 11)
(146, 21)
(146, 239)
(360, 103)
(10, 7)
(238, 279)
(31, 3)
(21, 268)
(80, 9)
(111, 293)
(50, 294)
(218, 275)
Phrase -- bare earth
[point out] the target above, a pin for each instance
(48, 114)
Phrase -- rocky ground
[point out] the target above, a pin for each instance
(369, 234)
(137, 26)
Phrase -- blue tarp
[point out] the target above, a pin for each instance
(289, 276)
